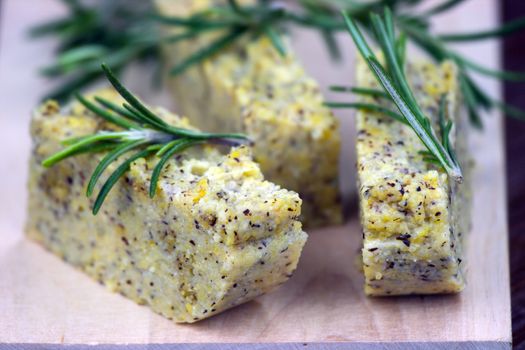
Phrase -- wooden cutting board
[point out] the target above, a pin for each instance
(45, 303)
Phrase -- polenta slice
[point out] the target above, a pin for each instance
(250, 88)
(414, 217)
(215, 235)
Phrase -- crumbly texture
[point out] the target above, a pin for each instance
(413, 216)
(216, 234)
(251, 88)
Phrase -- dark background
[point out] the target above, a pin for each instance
(514, 59)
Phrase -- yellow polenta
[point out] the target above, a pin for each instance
(249, 87)
(413, 216)
(215, 235)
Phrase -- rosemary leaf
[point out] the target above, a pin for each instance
(237, 8)
(482, 99)
(276, 40)
(122, 111)
(386, 40)
(115, 176)
(499, 74)
(108, 159)
(444, 124)
(360, 91)
(69, 60)
(471, 101)
(401, 48)
(195, 22)
(505, 29)
(174, 148)
(130, 98)
(62, 92)
(168, 146)
(172, 39)
(75, 148)
(96, 148)
(144, 119)
(331, 43)
(368, 106)
(432, 160)
(110, 117)
(50, 28)
(443, 7)
(510, 110)
(204, 53)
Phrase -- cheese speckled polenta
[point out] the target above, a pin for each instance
(215, 235)
(250, 88)
(413, 215)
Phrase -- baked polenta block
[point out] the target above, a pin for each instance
(250, 88)
(414, 217)
(216, 234)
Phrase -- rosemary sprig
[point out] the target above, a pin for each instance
(395, 84)
(143, 132)
(417, 28)
(121, 32)
(271, 18)
(118, 32)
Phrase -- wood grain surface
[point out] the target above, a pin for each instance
(46, 303)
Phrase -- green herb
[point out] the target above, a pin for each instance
(143, 132)
(505, 29)
(268, 18)
(395, 84)
(117, 32)
(368, 107)
(120, 32)
(417, 28)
